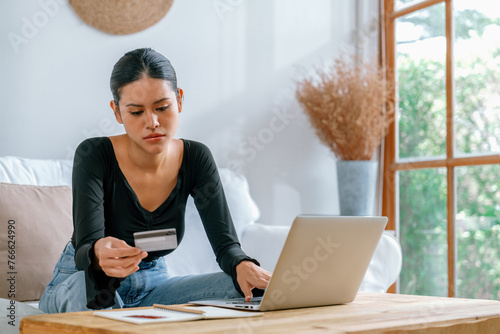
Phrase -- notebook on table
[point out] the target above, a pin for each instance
(323, 262)
(172, 313)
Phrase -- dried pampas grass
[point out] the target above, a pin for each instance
(350, 105)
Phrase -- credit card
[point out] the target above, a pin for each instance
(157, 240)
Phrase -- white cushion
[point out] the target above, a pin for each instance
(264, 243)
(385, 265)
(195, 255)
(36, 172)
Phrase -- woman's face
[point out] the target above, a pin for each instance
(149, 111)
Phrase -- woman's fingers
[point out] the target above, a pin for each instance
(116, 258)
(123, 261)
(121, 267)
(263, 279)
(250, 276)
(114, 271)
(119, 252)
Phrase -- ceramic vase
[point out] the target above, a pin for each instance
(357, 184)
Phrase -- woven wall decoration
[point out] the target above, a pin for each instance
(121, 17)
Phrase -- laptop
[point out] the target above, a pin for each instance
(323, 262)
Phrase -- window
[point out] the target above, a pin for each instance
(441, 159)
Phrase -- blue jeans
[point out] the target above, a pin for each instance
(150, 284)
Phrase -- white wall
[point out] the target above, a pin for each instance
(237, 62)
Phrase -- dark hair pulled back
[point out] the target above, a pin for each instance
(140, 63)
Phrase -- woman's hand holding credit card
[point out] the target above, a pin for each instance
(116, 258)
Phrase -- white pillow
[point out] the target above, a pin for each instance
(244, 210)
(195, 255)
(385, 265)
(264, 243)
(36, 172)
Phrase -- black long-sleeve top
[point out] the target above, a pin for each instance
(104, 204)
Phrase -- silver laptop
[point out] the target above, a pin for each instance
(323, 262)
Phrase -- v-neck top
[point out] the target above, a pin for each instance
(104, 204)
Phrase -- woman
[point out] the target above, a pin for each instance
(140, 181)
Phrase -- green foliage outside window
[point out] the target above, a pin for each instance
(422, 193)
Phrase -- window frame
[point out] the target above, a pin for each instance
(391, 166)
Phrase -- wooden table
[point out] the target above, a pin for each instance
(368, 313)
